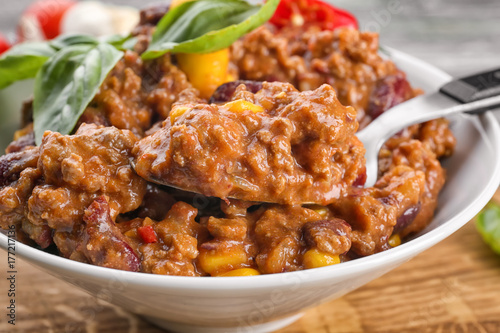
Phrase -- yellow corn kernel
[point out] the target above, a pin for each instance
(394, 240)
(315, 258)
(207, 71)
(175, 3)
(241, 105)
(241, 272)
(132, 233)
(212, 262)
(321, 210)
(178, 111)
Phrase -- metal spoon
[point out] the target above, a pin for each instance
(479, 93)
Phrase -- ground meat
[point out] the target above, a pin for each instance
(373, 212)
(18, 176)
(14, 198)
(345, 58)
(11, 165)
(279, 235)
(135, 94)
(121, 98)
(176, 247)
(416, 155)
(80, 168)
(165, 83)
(300, 148)
(330, 236)
(40, 234)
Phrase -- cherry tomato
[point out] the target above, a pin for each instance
(4, 44)
(300, 12)
(48, 14)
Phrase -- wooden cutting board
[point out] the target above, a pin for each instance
(452, 287)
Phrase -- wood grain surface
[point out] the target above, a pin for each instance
(452, 287)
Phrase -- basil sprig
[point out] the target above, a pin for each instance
(67, 83)
(206, 26)
(488, 224)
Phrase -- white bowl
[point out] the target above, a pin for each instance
(268, 302)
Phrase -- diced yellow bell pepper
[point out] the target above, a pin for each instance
(241, 272)
(207, 71)
(315, 258)
(241, 105)
(394, 240)
(212, 262)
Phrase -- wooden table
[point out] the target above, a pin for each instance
(453, 287)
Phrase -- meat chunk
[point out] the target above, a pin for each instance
(278, 145)
(78, 169)
(102, 243)
(14, 198)
(330, 236)
(18, 177)
(11, 165)
(373, 212)
(280, 239)
(176, 250)
(346, 59)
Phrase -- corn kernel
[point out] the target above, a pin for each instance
(394, 240)
(207, 71)
(212, 262)
(132, 233)
(241, 272)
(176, 3)
(323, 211)
(241, 105)
(177, 111)
(315, 258)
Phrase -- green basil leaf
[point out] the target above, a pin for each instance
(23, 62)
(488, 224)
(206, 26)
(68, 40)
(67, 83)
(123, 43)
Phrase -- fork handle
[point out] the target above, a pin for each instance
(474, 87)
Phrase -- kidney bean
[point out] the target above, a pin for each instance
(226, 91)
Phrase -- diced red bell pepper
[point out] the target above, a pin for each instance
(4, 44)
(48, 15)
(147, 234)
(300, 12)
